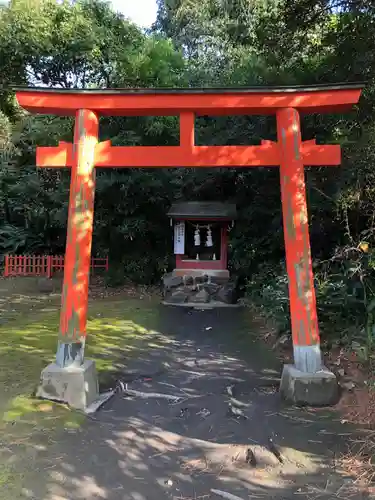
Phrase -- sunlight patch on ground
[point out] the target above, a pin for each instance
(27, 344)
(29, 324)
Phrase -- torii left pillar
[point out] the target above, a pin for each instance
(72, 379)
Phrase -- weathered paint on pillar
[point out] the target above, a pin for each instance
(187, 131)
(73, 316)
(305, 331)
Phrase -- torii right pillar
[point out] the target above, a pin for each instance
(307, 381)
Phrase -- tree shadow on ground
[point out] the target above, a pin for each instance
(136, 448)
(28, 334)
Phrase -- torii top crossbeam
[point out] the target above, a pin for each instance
(188, 103)
(201, 101)
(289, 153)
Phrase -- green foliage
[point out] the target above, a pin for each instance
(345, 292)
(84, 44)
(14, 239)
(268, 290)
(5, 132)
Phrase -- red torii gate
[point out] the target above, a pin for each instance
(289, 152)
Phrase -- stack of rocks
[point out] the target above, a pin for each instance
(188, 289)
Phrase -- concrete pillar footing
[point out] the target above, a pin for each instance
(312, 389)
(74, 385)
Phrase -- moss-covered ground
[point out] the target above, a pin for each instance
(28, 335)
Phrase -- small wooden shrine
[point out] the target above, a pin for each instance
(201, 272)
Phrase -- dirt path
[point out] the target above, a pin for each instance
(156, 449)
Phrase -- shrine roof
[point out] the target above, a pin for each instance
(202, 101)
(203, 209)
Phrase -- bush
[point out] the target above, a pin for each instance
(344, 286)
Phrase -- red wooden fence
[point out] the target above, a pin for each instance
(42, 265)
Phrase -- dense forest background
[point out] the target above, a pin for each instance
(199, 43)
